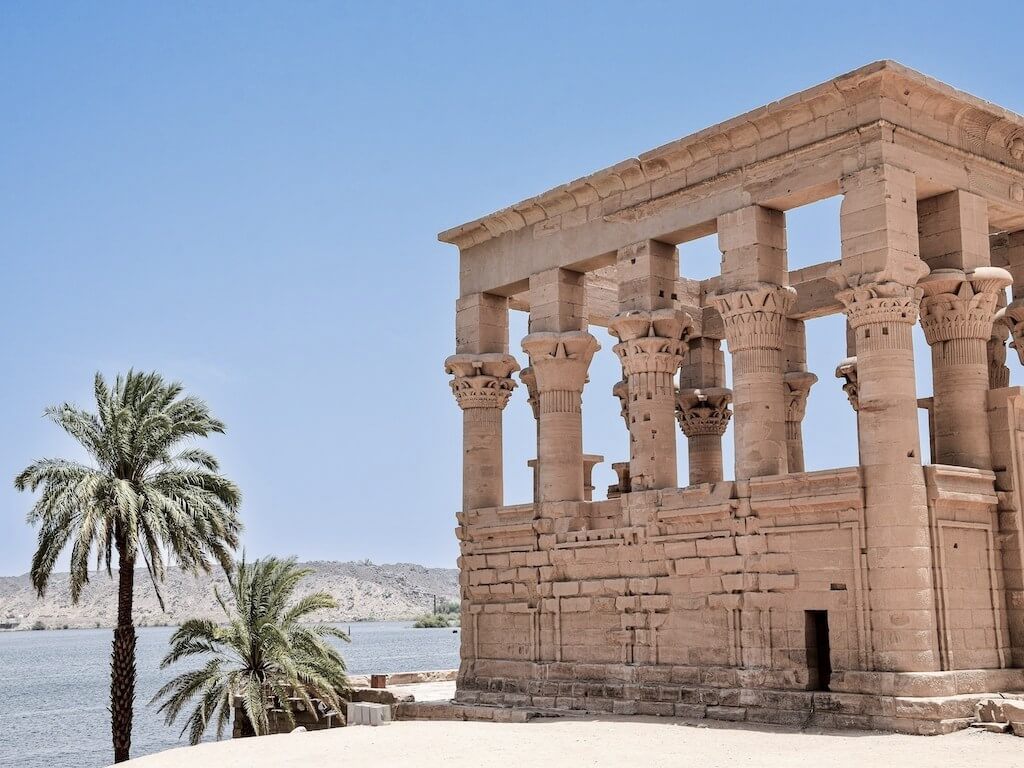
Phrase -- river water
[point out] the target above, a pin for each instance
(55, 687)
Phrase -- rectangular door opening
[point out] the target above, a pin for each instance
(819, 658)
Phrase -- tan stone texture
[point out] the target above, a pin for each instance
(886, 595)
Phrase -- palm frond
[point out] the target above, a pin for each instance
(270, 659)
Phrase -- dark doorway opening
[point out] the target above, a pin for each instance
(819, 659)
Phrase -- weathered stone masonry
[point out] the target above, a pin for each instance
(890, 594)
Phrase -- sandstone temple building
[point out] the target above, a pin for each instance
(885, 595)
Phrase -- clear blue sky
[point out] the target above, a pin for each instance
(245, 196)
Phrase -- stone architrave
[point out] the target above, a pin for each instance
(482, 385)
(650, 348)
(956, 314)
(703, 416)
(560, 362)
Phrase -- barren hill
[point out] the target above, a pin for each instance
(363, 590)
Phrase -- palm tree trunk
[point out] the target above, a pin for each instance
(122, 664)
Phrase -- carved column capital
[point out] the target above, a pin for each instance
(1013, 318)
(482, 380)
(798, 386)
(880, 302)
(998, 373)
(754, 318)
(704, 411)
(560, 362)
(621, 391)
(651, 340)
(961, 305)
(529, 379)
(847, 370)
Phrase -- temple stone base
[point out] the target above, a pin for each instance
(732, 600)
(923, 704)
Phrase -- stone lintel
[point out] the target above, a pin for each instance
(784, 155)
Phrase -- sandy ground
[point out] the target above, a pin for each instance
(647, 742)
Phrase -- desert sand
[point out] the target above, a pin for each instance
(594, 742)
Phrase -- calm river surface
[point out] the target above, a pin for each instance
(54, 687)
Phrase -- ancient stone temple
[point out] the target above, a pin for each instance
(885, 595)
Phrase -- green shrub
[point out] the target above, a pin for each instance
(432, 621)
(449, 607)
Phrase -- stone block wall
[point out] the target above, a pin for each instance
(697, 601)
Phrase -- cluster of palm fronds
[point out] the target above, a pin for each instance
(145, 492)
(263, 656)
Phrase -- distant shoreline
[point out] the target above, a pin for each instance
(363, 591)
(69, 628)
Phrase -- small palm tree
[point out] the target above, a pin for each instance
(264, 655)
(142, 493)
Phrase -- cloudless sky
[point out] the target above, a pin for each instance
(246, 196)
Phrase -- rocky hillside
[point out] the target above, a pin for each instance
(364, 591)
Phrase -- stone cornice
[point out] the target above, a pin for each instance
(884, 90)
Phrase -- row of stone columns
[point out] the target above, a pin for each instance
(960, 305)
(656, 340)
(957, 301)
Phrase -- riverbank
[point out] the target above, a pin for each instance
(650, 742)
(343, 622)
(57, 687)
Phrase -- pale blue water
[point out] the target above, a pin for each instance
(54, 687)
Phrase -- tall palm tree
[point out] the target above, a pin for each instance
(263, 655)
(143, 492)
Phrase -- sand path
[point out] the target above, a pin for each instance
(647, 742)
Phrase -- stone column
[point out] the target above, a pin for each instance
(1012, 247)
(798, 386)
(703, 408)
(482, 384)
(590, 460)
(560, 353)
(621, 391)
(797, 381)
(998, 373)
(960, 300)
(878, 287)
(754, 302)
(956, 315)
(847, 371)
(529, 380)
(652, 336)
(703, 417)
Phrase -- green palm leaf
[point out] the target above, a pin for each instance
(146, 493)
(261, 657)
